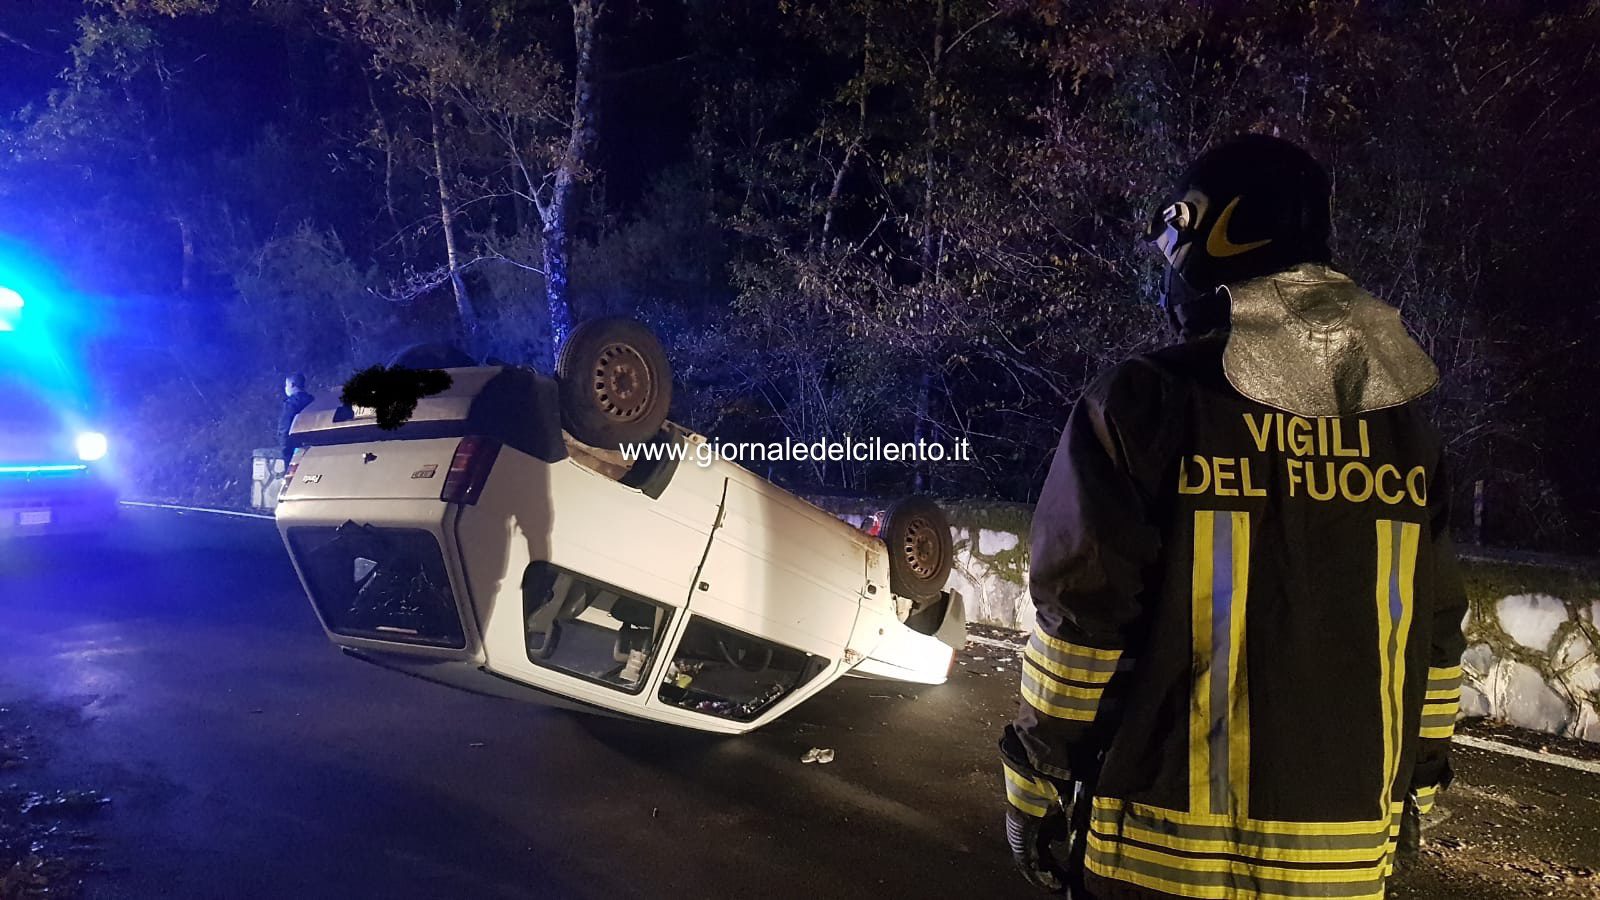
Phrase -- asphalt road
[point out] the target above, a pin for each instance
(178, 668)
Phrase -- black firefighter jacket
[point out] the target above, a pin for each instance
(1249, 636)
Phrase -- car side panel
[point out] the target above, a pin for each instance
(781, 569)
(584, 522)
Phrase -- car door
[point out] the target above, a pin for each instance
(781, 569)
(772, 610)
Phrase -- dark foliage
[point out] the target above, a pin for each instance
(392, 392)
(896, 218)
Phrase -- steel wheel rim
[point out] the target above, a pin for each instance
(623, 383)
(921, 548)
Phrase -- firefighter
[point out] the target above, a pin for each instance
(1246, 665)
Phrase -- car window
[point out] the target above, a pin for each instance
(582, 627)
(732, 675)
(386, 584)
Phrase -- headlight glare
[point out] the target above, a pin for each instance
(92, 445)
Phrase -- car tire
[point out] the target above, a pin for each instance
(921, 549)
(614, 382)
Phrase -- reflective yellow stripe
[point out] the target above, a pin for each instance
(1219, 708)
(1232, 856)
(1444, 674)
(1054, 710)
(1385, 557)
(1052, 687)
(1029, 795)
(1246, 868)
(1238, 676)
(1061, 670)
(1022, 803)
(1071, 649)
(1445, 694)
(1439, 732)
(1425, 799)
(1113, 805)
(1201, 892)
(1073, 662)
(1396, 577)
(1368, 848)
(1200, 695)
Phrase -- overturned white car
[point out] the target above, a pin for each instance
(498, 542)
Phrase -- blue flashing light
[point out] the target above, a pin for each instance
(10, 309)
(44, 324)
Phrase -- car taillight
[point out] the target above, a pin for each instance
(469, 469)
(288, 474)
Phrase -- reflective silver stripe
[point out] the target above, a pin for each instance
(1439, 720)
(1059, 688)
(1055, 699)
(1031, 795)
(1444, 684)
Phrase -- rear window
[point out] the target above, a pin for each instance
(385, 584)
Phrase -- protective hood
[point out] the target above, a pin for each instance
(1311, 342)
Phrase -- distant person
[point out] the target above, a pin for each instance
(1247, 660)
(295, 399)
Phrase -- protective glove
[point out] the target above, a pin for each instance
(1032, 840)
(1409, 842)
(1432, 776)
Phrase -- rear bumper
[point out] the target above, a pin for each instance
(33, 507)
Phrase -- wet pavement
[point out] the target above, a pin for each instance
(177, 669)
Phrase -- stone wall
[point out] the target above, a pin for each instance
(1533, 631)
(266, 478)
(991, 565)
(1533, 654)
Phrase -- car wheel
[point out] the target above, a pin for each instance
(615, 383)
(921, 550)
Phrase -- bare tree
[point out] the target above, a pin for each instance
(526, 135)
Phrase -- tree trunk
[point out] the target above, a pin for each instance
(923, 479)
(837, 187)
(929, 258)
(571, 170)
(930, 251)
(464, 310)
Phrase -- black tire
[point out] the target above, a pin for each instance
(921, 549)
(615, 383)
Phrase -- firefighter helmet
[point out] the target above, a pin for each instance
(1251, 206)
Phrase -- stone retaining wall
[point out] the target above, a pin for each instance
(1533, 659)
